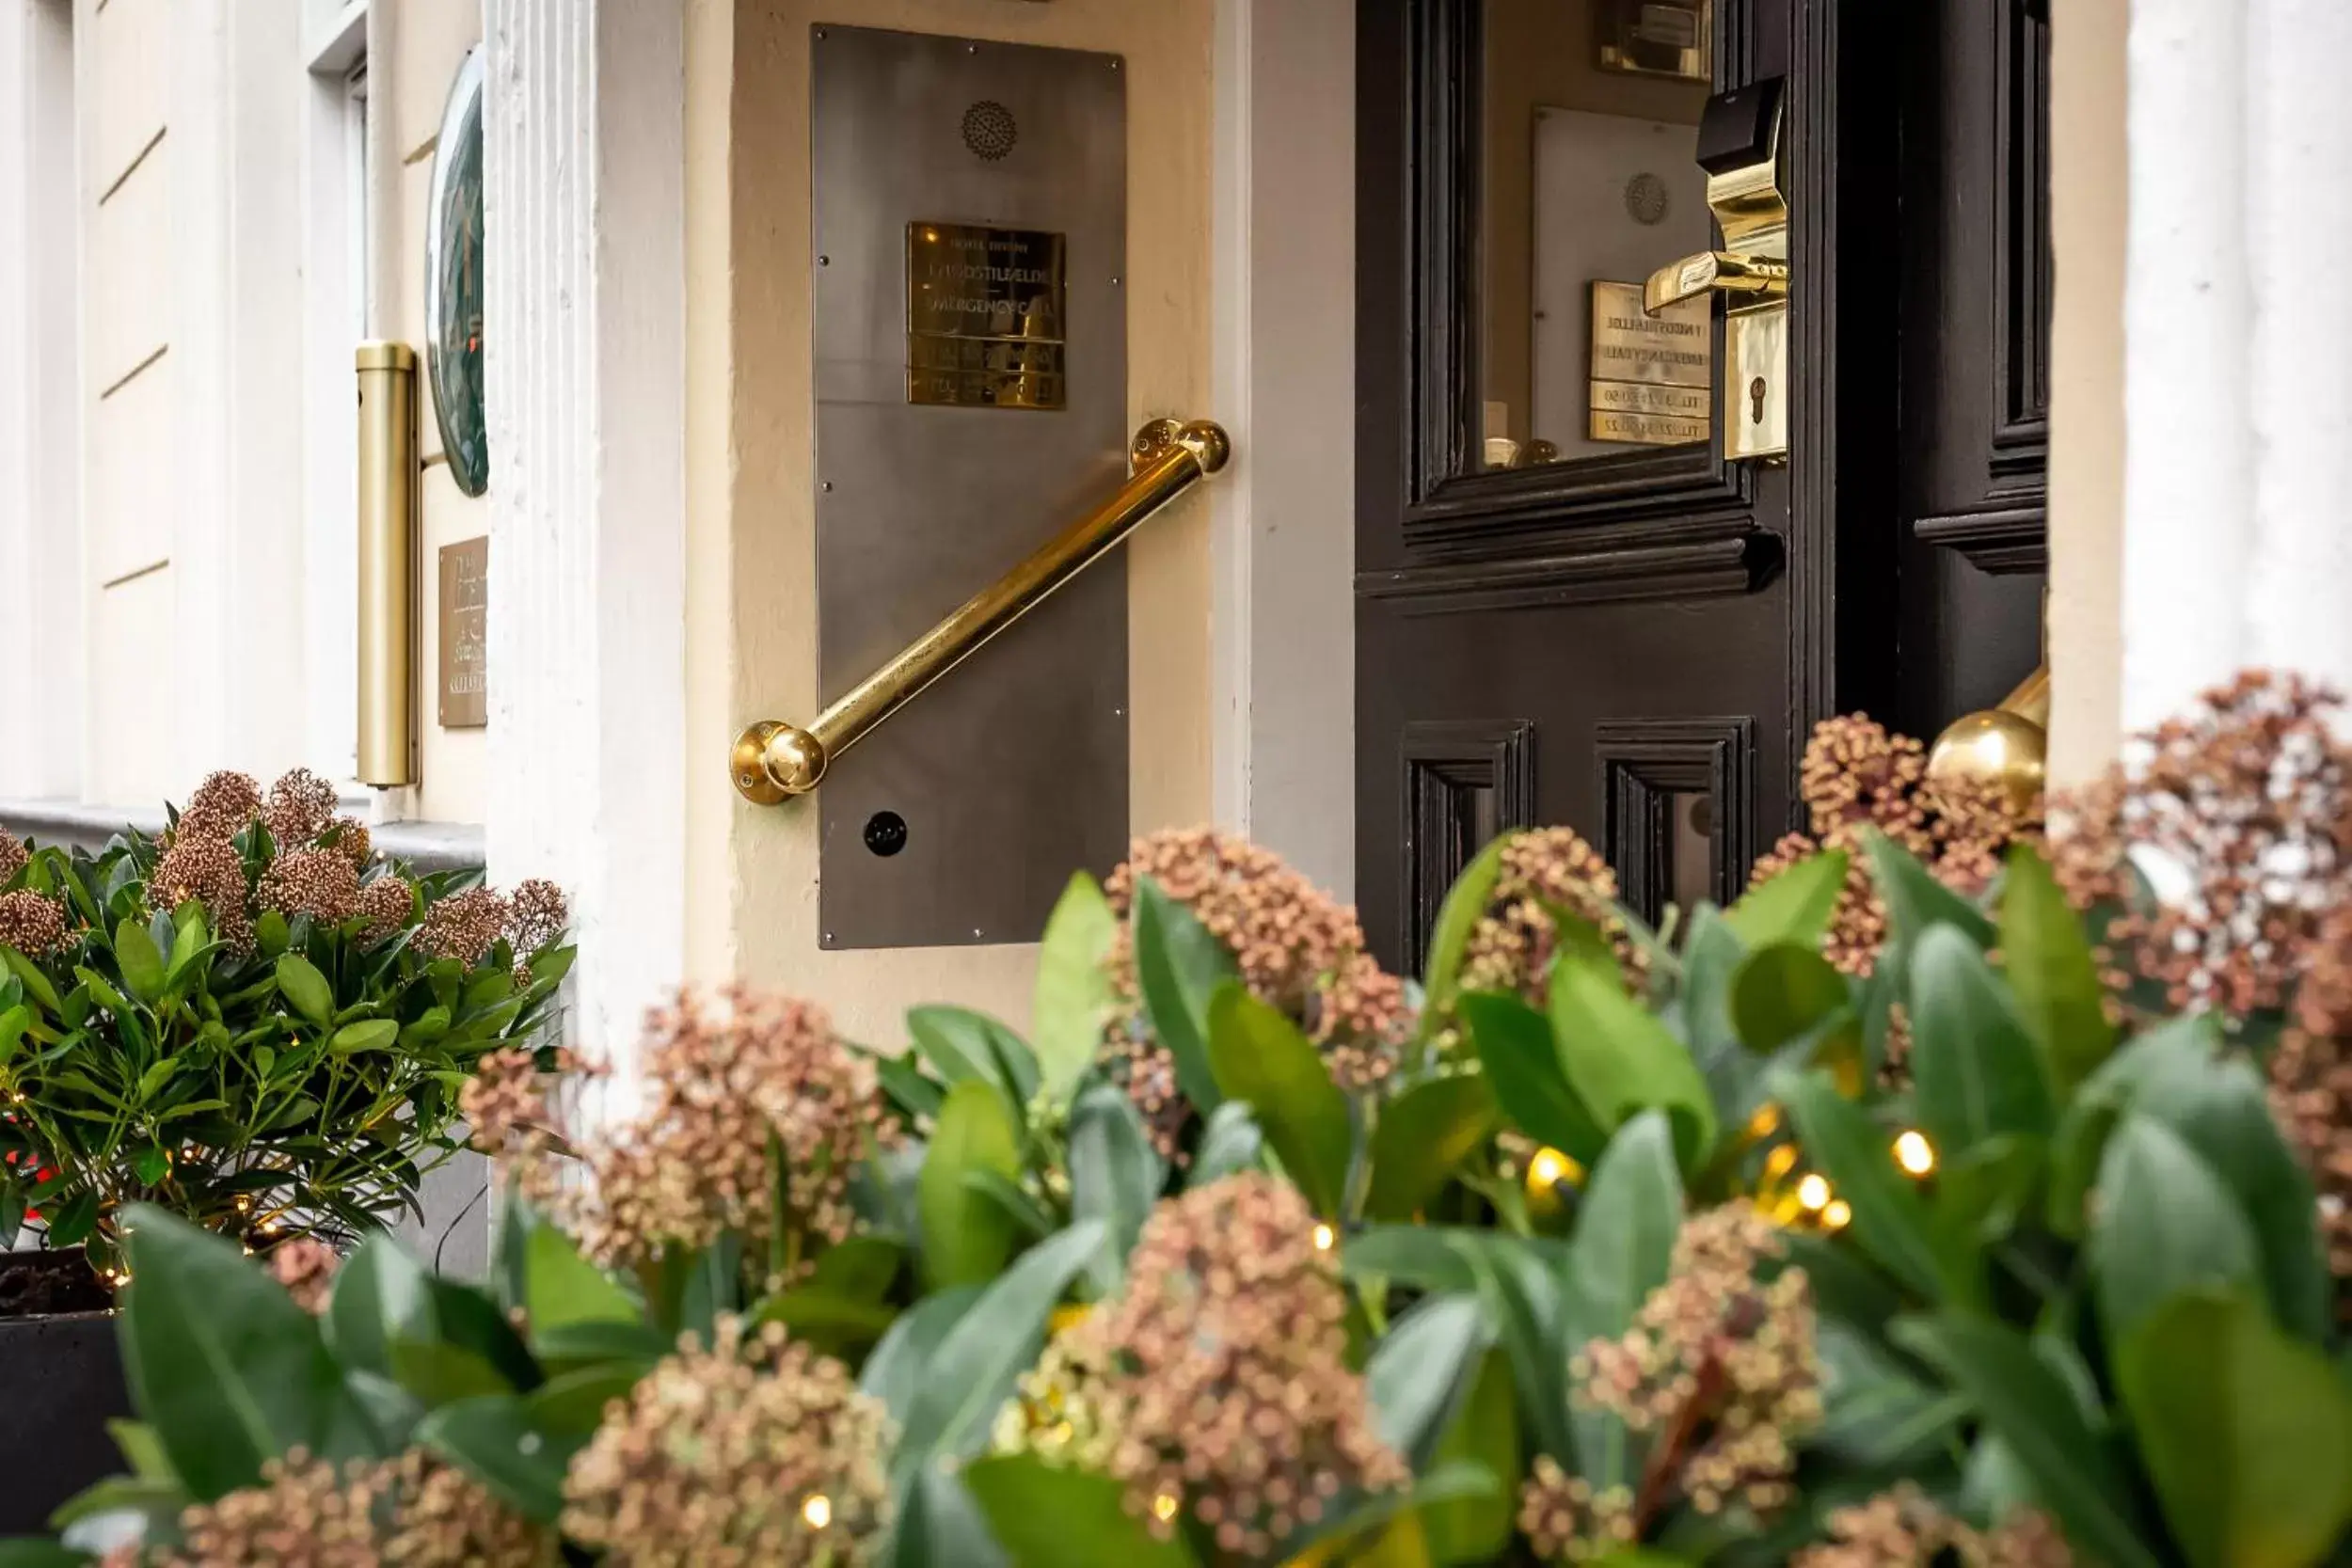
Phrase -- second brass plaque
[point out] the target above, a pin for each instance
(1652, 376)
(465, 673)
(985, 311)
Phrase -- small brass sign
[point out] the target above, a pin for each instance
(986, 309)
(464, 702)
(1653, 376)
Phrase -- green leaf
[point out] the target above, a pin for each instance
(305, 990)
(151, 1164)
(561, 1288)
(982, 1356)
(1515, 1046)
(1423, 1135)
(895, 1372)
(573, 1404)
(2222, 1109)
(1179, 967)
(1458, 917)
(13, 1023)
(962, 1044)
(966, 1238)
(2027, 1405)
(36, 984)
(141, 963)
(26, 1552)
(272, 933)
(1783, 992)
(1977, 1071)
(71, 1220)
(1421, 1373)
(1623, 1249)
(1874, 1413)
(940, 1526)
(1029, 1215)
(2047, 958)
(1115, 1176)
(376, 1033)
(1621, 1059)
(142, 1451)
(381, 1295)
(1486, 1433)
(1916, 900)
(1074, 998)
(2164, 1223)
(1260, 1058)
(223, 1365)
(1890, 1223)
(1795, 907)
(1384, 1529)
(1048, 1517)
(1232, 1141)
(2244, 1432)
(493, 1439)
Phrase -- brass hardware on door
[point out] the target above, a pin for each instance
(772, 761)
(1739, 149)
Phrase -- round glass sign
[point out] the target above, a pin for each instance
(453, 282)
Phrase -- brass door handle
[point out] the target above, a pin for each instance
(1716, 272)
(772, 761)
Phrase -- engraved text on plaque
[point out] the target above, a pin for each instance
(985, 314)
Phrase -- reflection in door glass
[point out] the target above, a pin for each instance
(1590, 126)
(1691, 850)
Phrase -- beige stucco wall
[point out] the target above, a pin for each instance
(751, 889)
(130, 176)
(2089, 155)
(193, 232)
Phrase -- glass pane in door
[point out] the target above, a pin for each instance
(1590, 113)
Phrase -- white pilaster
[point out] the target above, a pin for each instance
(1283, 329)
(584, 327)
(2236, 551)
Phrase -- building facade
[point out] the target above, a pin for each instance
(206, 203)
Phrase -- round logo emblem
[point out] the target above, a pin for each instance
(990, 130)
(1646, 200)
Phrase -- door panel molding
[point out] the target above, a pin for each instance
(1645, 763)
(1446, 763)
(1688, 569)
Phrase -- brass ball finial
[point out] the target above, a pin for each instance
(771, 763)
(1995, 747)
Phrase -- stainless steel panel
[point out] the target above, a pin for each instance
(1011, 773)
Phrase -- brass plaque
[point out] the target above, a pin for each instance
(1653, 376)
(465, 629)
(985, 313)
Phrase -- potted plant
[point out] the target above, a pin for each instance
(1605, 1245)
(253, 1022)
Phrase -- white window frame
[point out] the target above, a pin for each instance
(337, 224)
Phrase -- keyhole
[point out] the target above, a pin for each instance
(1756, 400)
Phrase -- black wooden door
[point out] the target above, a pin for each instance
(1634, 639)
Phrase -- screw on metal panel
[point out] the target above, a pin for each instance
(828, 939)
(975, 930)
(820, 33)
(1114, 65)
(824, 261)
(1115, 282)
(828, 486)
(971, 48)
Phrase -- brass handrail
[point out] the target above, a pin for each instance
(772, 761)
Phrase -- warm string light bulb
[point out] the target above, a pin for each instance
(1324, 1238)
(1163, 1507)
(1836, 1214)
(817, 1511)
(1915, 1153)
(1813, 1192)
(1550, 1168)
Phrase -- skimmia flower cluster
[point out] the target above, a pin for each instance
(732, 1085)
(2238, 816)
(1904, 1527)
(1296, 949)
(1858, 776)
(1216, 1381)
(755, 1452)
(1719, 1372)
(1544, 874)
(412, 1512)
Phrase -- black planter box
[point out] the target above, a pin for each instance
(62, 1381)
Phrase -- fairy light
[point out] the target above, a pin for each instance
(1324, 1238)
(1836, 1214)
(1813, 1192)
(1781, 1160)
(1764, 1123)
(1550, 1168)
(1163, 1507)
(817, 1511)
(1915, 1153)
